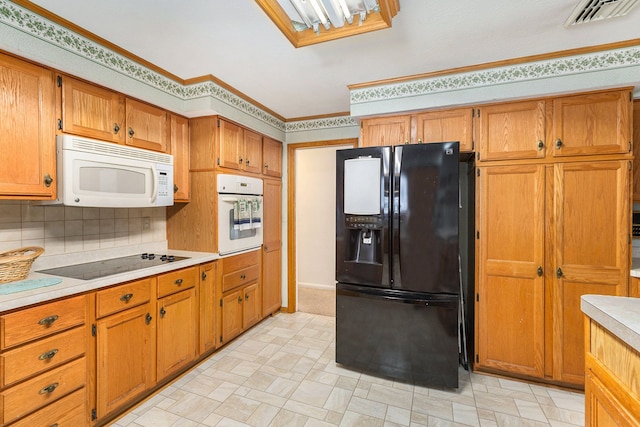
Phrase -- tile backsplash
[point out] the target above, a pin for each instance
(66, 229)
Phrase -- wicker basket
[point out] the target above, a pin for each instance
(16, 263)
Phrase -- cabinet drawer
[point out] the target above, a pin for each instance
(29, 324)
(25, 361)
(42, 390)
(122, 297)
(239, 262)
(239, 278)
(69, 411)
(176, 281)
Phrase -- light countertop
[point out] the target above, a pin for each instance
(619, 315)
(70, 286)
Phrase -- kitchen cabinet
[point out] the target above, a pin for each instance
(240, 300)
(612, 395)
(381, 131)
(179, 148)
(239, 148)
(147, 126)
(547, 234)
(27, 125)
(177, 328)
(43, 363)
(208, 303)
(90, 110)
(444, 125)
(125, 344)
(272, 157)
(636, 150)
(272, 247)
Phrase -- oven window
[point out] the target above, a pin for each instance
(236, 233)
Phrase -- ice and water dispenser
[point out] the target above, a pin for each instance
(363, 223)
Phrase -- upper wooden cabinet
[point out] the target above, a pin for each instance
(512, 131)
(271, 157)
(595, 123)
(239, 148)
(636, 150)
(444, 125)
(91, 111)
(147, 126)
(383, 131)
(27, 126)
(179, 148)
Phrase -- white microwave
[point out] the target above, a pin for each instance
(106, 175)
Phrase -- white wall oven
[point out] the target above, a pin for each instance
(239, 213)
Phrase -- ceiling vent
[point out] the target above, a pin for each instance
(596, 10)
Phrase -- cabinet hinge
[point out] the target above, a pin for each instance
(630, 96)
(59, 80)
(59, 124)
(630, 166)
(630, 146)
(477, 297)
(477, 235)
(478, 172)
(478, 156)
(478, 113)
(473, 112)
(477, 359)
(220, 302)
(94, 330)
(218, 161)
(94, 415)
(221, 340)
(218, 122)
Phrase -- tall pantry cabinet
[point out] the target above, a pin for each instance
(553, 223)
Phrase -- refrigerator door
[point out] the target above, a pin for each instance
(413, 338)
(425, 218)
(362, 216)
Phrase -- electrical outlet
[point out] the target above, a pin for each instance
(146, 223)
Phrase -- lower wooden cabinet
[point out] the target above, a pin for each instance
(177, 332)
(208, 302)
(69, 411)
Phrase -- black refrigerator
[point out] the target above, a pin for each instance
(397, 262)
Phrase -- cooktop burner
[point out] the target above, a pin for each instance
(97, 269)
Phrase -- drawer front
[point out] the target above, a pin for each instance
(239, 262)
(47, 353)
(122, 297)
(70, 411)
(37, 322)
(43, 389)
(177, 281)
(240, 277)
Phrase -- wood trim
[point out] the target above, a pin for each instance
(502, 63)
(291, 209)
(321, 116)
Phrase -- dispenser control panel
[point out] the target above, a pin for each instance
(365, 221)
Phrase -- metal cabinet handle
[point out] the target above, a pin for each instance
(162, 312)
(54, 425)
(540, 145)
(559, 273)
(49, 389)
(419, 140)
(204, 276)
(266, 165)
(239, 300)
(48, 355)
(126, 297)
(48, 321)
(131, 133)
(246, 296)
(540, 271)
(558, 143)
(240, 161)
(116, 128)
(48, 180)
(178, 282)
(246, 162)
(175, 188)
(148, 318)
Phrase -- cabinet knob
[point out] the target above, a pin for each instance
(175, 188)
(540, 145)
(116, 128)
(540, 272)
(131, 133)
(266, 165)
(148, 318)
(49, 389)
(48, 321)
(559, 273)
(162, 312)
(178, 282)
(204, 275)
(240, 160)
(126, 298)
(558, 143)
(246, 162)
(48, 354)
(419, 140)
(48, 180)
(246, 296)
(239, 300)
(242, 276)
(406, 141)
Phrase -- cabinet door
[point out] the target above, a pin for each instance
(231, 324)
(147, 126)
(383, 131)
(208, 307)
(125, 357)
(510, 290)
(230, 145)
(512, 131)
(591, 124)
(252, 157)
(272, 157)
(251, 305)
(271, 281)
(177, 331)
(180, 150)
(27, 126)
(92, 111)
(636, 150)
(449, 125)
(272, 248)
(591, 248)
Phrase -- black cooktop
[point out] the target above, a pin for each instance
(97, 269)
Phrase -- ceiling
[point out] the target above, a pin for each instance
(237, 43)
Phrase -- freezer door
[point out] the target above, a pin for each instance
(363, 183)
(425, 218)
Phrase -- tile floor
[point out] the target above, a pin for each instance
(282, 373)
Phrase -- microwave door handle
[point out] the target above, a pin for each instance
(154, 181)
